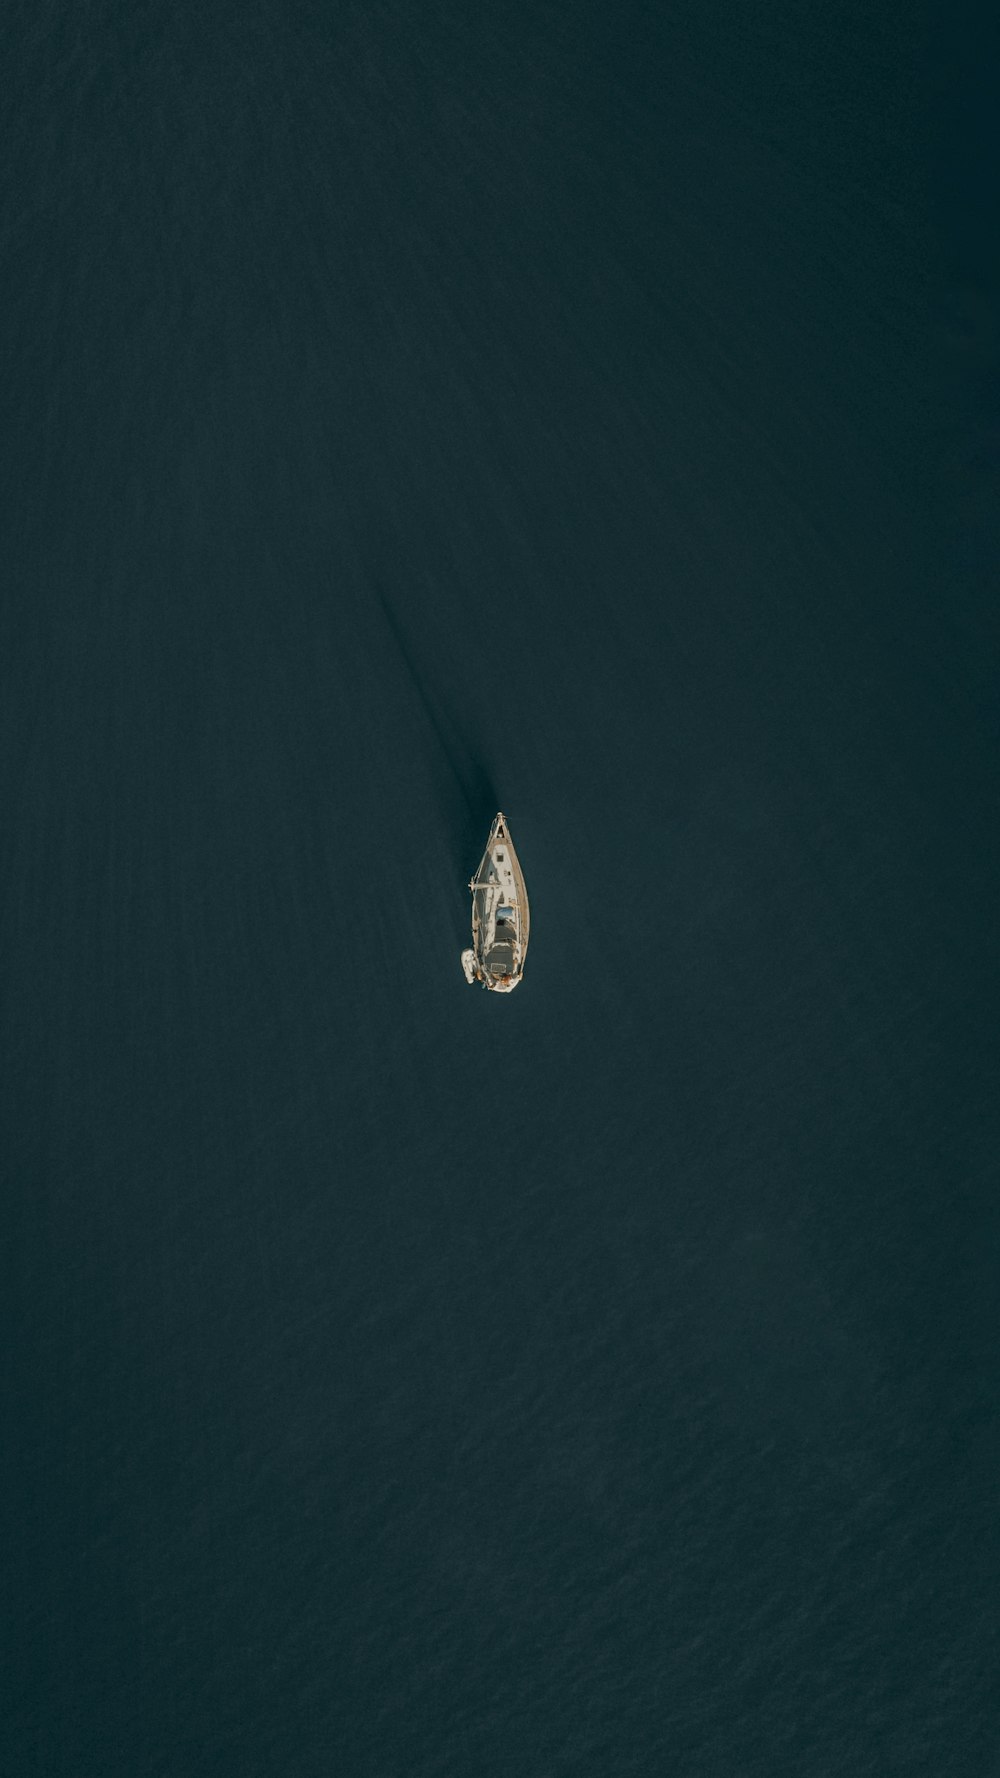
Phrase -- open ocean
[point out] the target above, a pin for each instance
(410, 412)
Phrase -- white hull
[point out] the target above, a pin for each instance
(500, 918)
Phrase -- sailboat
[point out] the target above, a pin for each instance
(499, 916)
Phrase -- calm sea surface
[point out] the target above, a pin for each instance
(410, 412)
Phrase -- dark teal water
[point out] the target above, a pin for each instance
(410, 412)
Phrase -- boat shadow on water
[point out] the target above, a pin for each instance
(468, 791)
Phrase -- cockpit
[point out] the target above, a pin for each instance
(500, 958)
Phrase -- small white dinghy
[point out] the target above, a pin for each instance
(499, 916)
